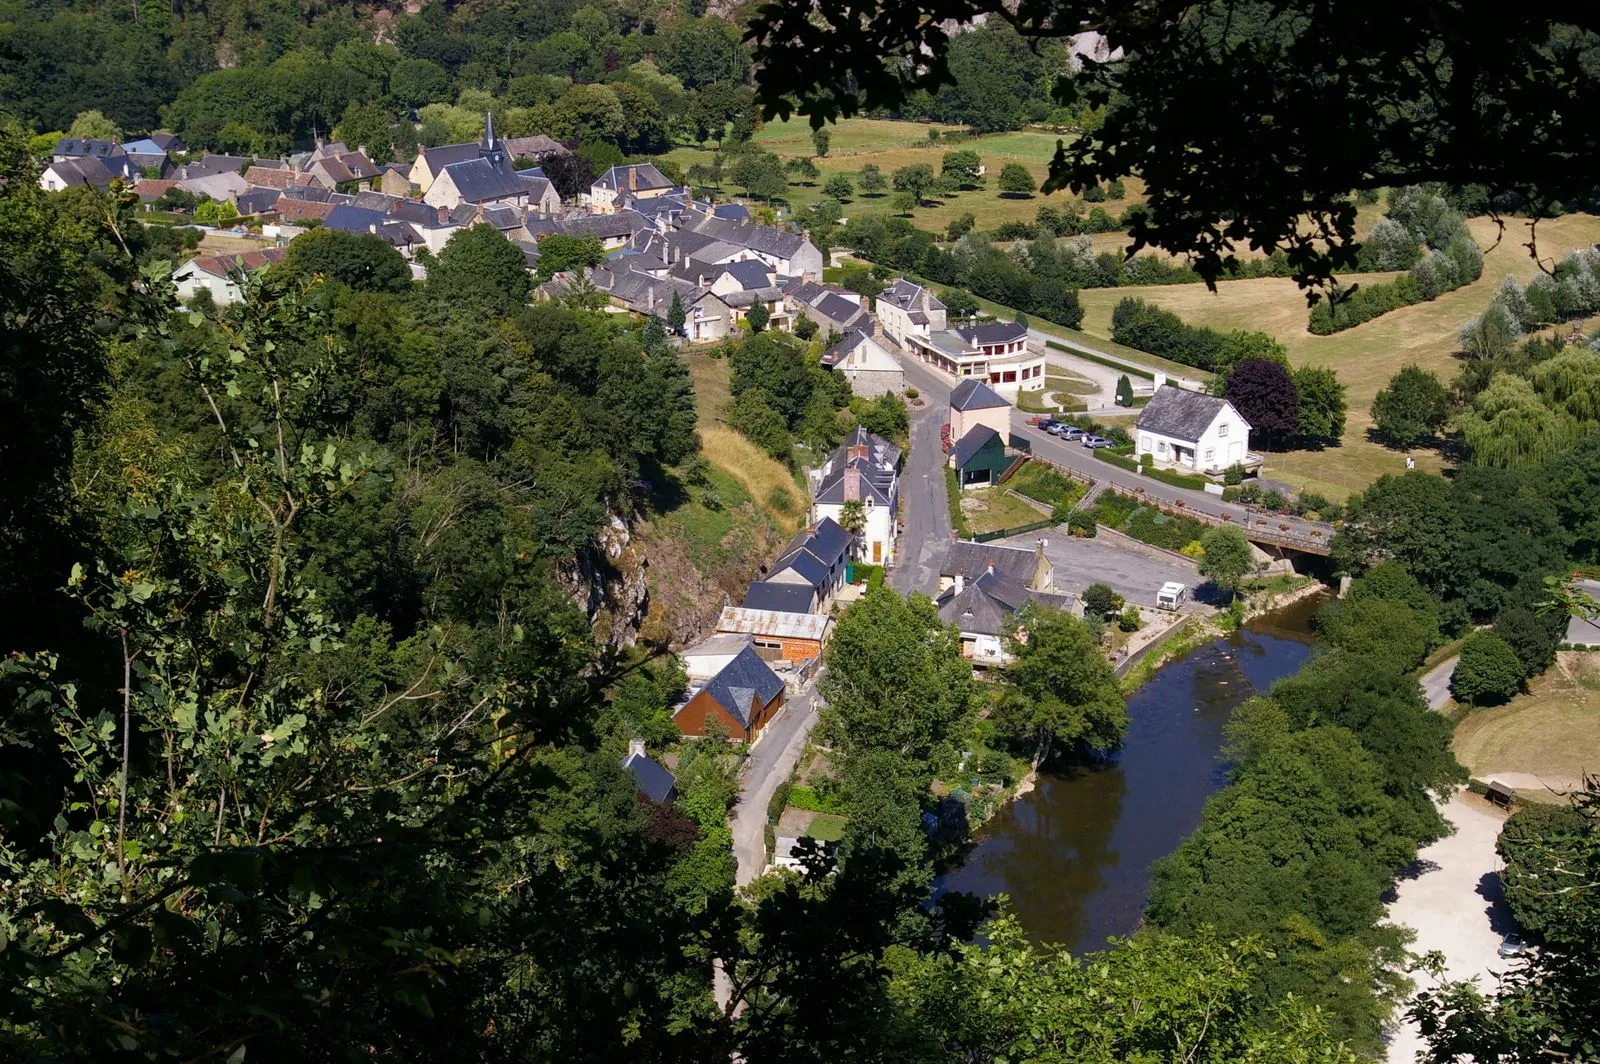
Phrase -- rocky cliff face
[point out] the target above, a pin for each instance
(608, 582)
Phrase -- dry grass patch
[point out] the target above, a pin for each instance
(991, 509)
(1552, 732)
(770, 484)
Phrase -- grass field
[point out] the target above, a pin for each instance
(826, 827)
(1552, 732)
(891, 144)
(1366, 356)
(769, 483)
(991, 509)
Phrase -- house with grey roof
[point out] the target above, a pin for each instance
(650, 778)
(75, 172)
(208, 165)
(869, 366)
(430, 162)
(984, 610)
(814, 559)
(633, 181)
(737, 703)
(1193, 431)
(865, 468)
(908, 310)
(789, 253)
(834, 309)
(967, 560)
(974, 403)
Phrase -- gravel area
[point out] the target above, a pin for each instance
(1081, 562)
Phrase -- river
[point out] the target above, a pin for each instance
(1074, 854)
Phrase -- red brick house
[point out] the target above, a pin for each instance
(738, 702)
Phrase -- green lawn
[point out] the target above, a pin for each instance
(1366, 356)
(826, 827)
(890, 145)
(991, 509)
(1552, 732)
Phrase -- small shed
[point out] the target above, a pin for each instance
(979, 457)
(1500, 794)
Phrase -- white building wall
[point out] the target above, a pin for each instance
(996, 417)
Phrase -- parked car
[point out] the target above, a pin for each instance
(1070, 432)
(1048, 424)
(1096, 441)
(1512, 946)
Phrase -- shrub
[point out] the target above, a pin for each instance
(1275, 501)
(912, 393)
(1194, 550)
(1488, 671)
(1233, 474)
(1081, 523)
(1178, 480)
(1101, 600)
(1129, 620)
(1120, 461)
(821, 799)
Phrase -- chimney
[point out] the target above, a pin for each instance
(636, 746)
(961, 583)
(633, 179)
(1161, 379)
(852, 484)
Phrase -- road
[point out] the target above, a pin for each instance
(1081, 562)
(769, 764)
(1436, 683)
(927, 531)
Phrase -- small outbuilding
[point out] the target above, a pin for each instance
(738, 702)
(650, 778)
(1500, 794)
(979, 458)
(974, 403)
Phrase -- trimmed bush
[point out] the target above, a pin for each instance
(1488, 671)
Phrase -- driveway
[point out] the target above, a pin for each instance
(926, 535)
(1452, 900)
(769, 764)
(1436, 683)
(1081, 562)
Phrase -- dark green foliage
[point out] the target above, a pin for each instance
(364, 262)
(1264, 392)
(1124, 391)
(1060, 691)
(1100, 600)
(1451, 267)
(1161, 332)
(1411, 519)
(1412, 407)
(1535, 835)
(1228, 557)
(752, 414)
(1488, 671)
(1388, 632)
(1322, 405)
(1127, 514)
(562, 253)
(480, 267)
(757, 317)
(1015, 180)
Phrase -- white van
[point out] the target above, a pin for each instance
(1171, 595)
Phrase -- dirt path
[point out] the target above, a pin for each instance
(1454, 905)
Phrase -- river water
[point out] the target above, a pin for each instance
(1075, 853)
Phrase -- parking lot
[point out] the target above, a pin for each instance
(1081, 562)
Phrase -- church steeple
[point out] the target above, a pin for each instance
(490, 147)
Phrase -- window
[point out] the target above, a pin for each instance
(1009, 377)
(1211, 452)
(1161, 447)
(1222, 429)
(766, 644)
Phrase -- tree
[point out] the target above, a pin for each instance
(853, 517)
(571, 174)
(366, 125)
(916, 180)
(1490, 335)
(1487, 672)
(1411, 519)
(751, 413)
(819, 142)
(1060, 691)
(92, 125)
(760, 172)
(676, 315)
(415, 82)
(804, 327)
(1264, 394)
(963, 168)
(838, 187)
(1015, 180)
(1393, 634)
(479, 265)
(871, 180)
(960, 303)
(1510, 427)
(1321, 401)
(569, 253)
(1124, 391)
(1413, 406)
(363, 261)
(1228, 558)
(757, 316)
(804, 169)
(1099, 600)
(1150, 128)
(895, 681)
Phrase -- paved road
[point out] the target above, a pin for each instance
(1436, 683)
(1081, 562)
(927, 515)
(768, 765)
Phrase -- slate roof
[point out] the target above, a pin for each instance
(751, 274)
(480, 180)
(905, 294)
(998, 332)
(443, 155)
(644, 175)
(813, 551)
(608, 226)
(971, 560)
(848, 343)
(77, 147)
(974, 394)
(783, 598)
(351, 219)
(207, 165)
(1181, 414)
(82, 170)
(985, 605)
(811, 568)
(734, 212)
(257, 200)
(652, 780)
(878, 469)
(779, 243)
(743, 684)
(976, 439)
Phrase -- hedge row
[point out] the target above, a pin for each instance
(1136, 323)
(1440, 272)
(1105, 454)
(1177, 480)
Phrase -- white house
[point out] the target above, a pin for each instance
(220, 274)
(1000, 353)
(1202, 433)
(864, 468)
(983, 609)
(866, 364)
(908, 311)
(636, 180)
